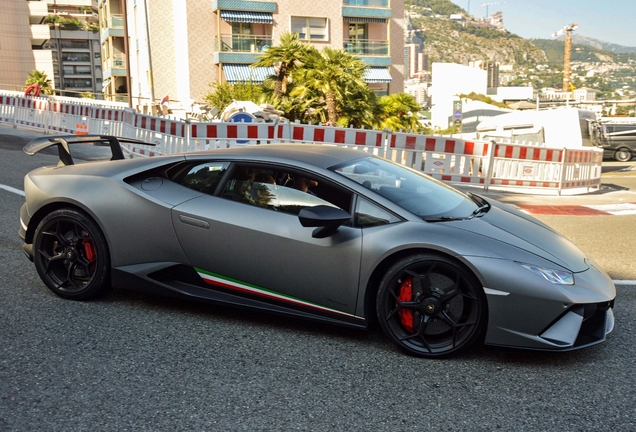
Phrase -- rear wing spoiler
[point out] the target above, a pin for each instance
(62, 142)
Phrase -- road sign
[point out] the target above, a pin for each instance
(241, 117)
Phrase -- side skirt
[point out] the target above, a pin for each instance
(179, 281)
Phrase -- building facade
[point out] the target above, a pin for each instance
(74, 46)
(59, 38)
(22, 36)
(175, 49)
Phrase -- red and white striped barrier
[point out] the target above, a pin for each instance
(443, 158)
(64, 117)
(545, 168)
(107, 121)
(168, 136)
(488, 164)
(333, 135)
(32, 112)
(7, 109)
(214, 135)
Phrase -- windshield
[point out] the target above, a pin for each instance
(418, 193)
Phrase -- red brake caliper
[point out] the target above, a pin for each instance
(89, 249)
(406, 295)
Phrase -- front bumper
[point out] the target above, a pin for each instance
(526, 311)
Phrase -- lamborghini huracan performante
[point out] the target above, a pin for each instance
(312, 231)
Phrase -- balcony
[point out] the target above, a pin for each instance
(375, 10)
(245, 5)
(37, 11)
(40, 33)
(242, 43)
(371, 3)
(115, 21)
(85, 3)
(367, 47)
(116, 62)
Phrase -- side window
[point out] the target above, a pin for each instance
(282, 190)
(369, 215)
(203, 177)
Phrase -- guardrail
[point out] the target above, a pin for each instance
(525, 168)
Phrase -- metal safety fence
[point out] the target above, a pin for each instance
(526, 168)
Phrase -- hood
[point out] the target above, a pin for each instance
(510, 226)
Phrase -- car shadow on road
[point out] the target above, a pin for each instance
(373, 337)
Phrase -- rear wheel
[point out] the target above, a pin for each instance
(430, 306)
(623, 154)
(71, 255)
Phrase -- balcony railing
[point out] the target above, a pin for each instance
(116, 21)
(371, 3)
(116, 62)
(242, 43)
(367, 47)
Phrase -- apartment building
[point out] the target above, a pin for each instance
(74, 46)
(59, 38)
(177, 48)
(22, 34)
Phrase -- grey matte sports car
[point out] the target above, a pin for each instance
(317, 232)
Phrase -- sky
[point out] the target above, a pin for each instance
(607, 20)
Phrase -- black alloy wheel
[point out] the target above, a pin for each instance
(431, 306)
(623, 154)
(71, 255)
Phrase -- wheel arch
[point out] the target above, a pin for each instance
(378, 272)
(41, 213)
(624, 149)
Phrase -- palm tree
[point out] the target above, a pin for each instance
(287, 55)
(333, 76)
(41, 79)
(400, 113)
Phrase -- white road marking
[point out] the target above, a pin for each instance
(624, 282)
(12, 189)
(615, 209)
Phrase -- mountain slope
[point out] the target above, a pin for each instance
(448, 41)
(580, 53)
(602, 45)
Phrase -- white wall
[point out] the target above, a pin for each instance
(448, 81)
(513, 93)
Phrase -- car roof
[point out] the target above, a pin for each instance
(319, 155)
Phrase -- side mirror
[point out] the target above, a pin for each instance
(327, 219)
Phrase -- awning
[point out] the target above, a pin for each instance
(364, 20)
(247, 17)
(377, 75)
(241, 73)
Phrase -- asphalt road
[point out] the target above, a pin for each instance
(133, 362)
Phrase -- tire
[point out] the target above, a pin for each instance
(430, 306)
(623, 154)
(71, 255)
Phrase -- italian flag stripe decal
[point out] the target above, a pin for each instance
(235, 285)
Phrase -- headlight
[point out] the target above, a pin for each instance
(558, 277)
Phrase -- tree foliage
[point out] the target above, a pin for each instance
(284, 57)
(399, 113)
(40, 78)
(224, 94)
(331, 76)
(439, 7)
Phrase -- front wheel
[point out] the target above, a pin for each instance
(71, 256)
(623, 155)
(430, 306)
